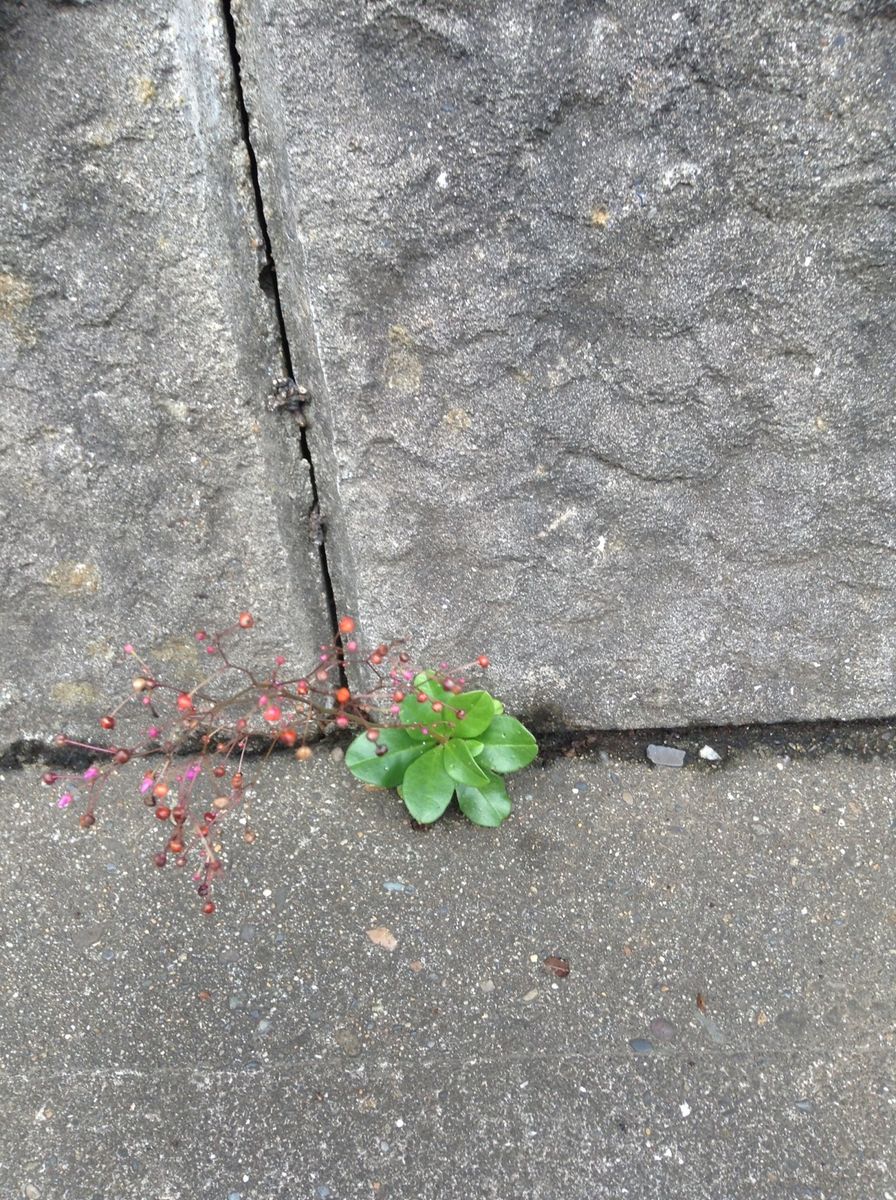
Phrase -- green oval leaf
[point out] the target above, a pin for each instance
(508, 745)
(480, 710)
(427, 787)
(386, 770)
(461, 766)
(488, 805)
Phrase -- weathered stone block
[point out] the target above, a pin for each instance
(146, 489)
(596, 303)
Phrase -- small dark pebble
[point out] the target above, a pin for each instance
(640, 1046)
(662, 1030)
(557, 966)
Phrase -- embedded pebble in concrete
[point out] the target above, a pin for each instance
(709, 754)
(348, 1042)
(711, 1028)
(640, 1046)
(662, 1030)
(666, 756)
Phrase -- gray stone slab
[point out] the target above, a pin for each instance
(594, 303)
(146, 490)
(273, 1051)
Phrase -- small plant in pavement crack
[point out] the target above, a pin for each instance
(447, 743)
(420, 732)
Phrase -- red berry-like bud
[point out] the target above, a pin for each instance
(461, 714)
(321, 675)
(208, 908)
(483, 661)
(180, 861)
(202, 831)
(347, 625)
(372, 735)
(163, 812)
(107, 722)
(161, 790)
(86, 820)
(160, 859)
(246, 620)
(288, 737)
(376, 659)
(203, 889)
(185, 702)
(179, 815)
(342, 695)
(272, 713)
(404, 657)
(381, 750)
(218, 772)
(249, 836)
(422, 698)
(49, 777)
(237, 780)
(437, 706)
(398, 697)
(175, 846)
(303, 753)
(122, 756)
(302, 687)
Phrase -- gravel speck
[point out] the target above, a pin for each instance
(666, 756)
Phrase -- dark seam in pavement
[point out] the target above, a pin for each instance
(245, 127)
(861, 738)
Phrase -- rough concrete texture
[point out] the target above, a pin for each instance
(146, 490)
(594, 299)
(274, 1051)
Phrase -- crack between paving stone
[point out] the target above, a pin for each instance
(273, 292)
(864, 738)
